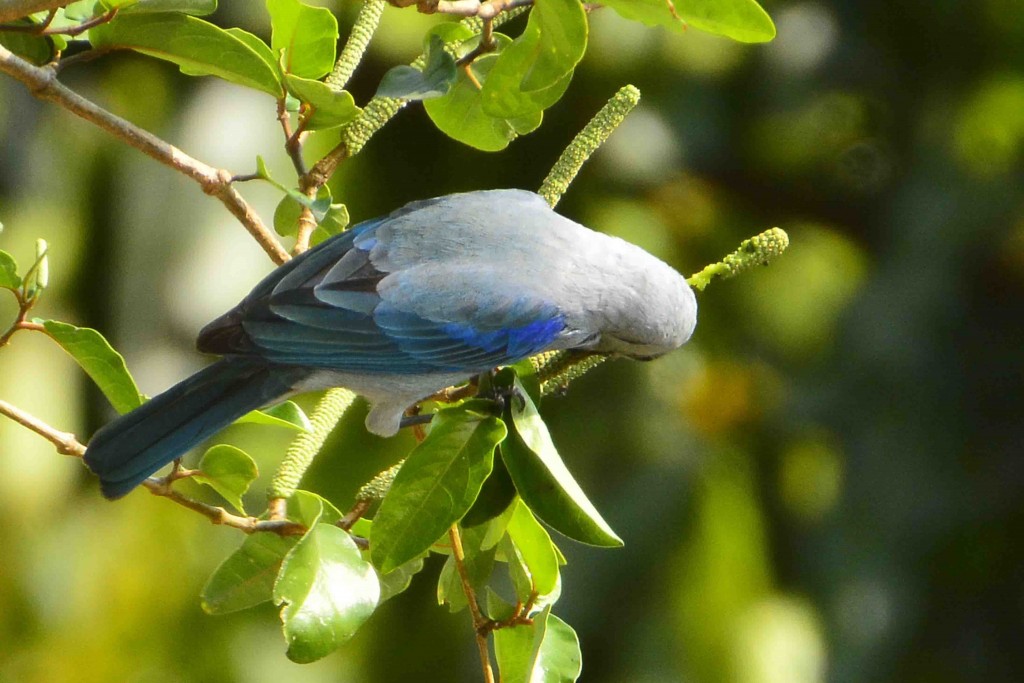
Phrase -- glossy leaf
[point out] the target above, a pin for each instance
(287, 414)
(194, 7)
(246, 578)
(562, 29)
(197, 46)
(308, 508)
(543, 480)
(517, 648)
(9, 272)
(546, 651)
(533, 73)
(101, 362)
(534, 546)
(327, 591)
(229, 471)
(434, 80)
(742, 20)
(460, 114)
(304, 36)
(436, 486)
(328, 108)
(559, 659)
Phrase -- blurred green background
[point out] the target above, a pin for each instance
(825, 484)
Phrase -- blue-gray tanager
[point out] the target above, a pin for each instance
(400, 307)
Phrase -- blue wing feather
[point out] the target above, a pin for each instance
(323, 309)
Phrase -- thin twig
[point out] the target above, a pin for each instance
(42, 83)
(470, 8)
(68, 444)
(161, 486)
(81, 28)
(65, 442)
(480, 622)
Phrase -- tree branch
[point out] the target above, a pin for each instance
(65, 442)
(43, 84)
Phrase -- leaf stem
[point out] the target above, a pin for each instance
(480, 622)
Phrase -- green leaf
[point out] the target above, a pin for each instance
(742, 20)
(33, 48)
(336, 220)
(517, 648)
(327, 591)
(534, 547)
(286, 216)
(546, 651)
(287, 414)
(436, 486)
(495, 497)
(196, 46)
(534, 72)
(395, 582)
(562, 42)
(196, 8)
(331, 218)
(229, 471)
(79, 11)
(543, 480)
(528, 378)
(460, 114)
(329, 108)
(304, 36)
(246, 578)
(518, 573)
(308, 508)
(100, 361)
(559, 659)
(9, 272)
(256, 44)
(435, 80)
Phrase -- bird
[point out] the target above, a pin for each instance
(399, 307)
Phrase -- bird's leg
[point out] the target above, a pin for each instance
(496, 392)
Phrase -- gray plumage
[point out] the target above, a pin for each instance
(402, 306)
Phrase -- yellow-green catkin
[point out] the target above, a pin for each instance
(586, 143)
(557, 369)
(378, 487)
(305, 447)
(756, 251)
(362, 31)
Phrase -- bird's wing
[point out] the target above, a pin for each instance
(336, 309)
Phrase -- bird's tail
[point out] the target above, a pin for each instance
(132, 447)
